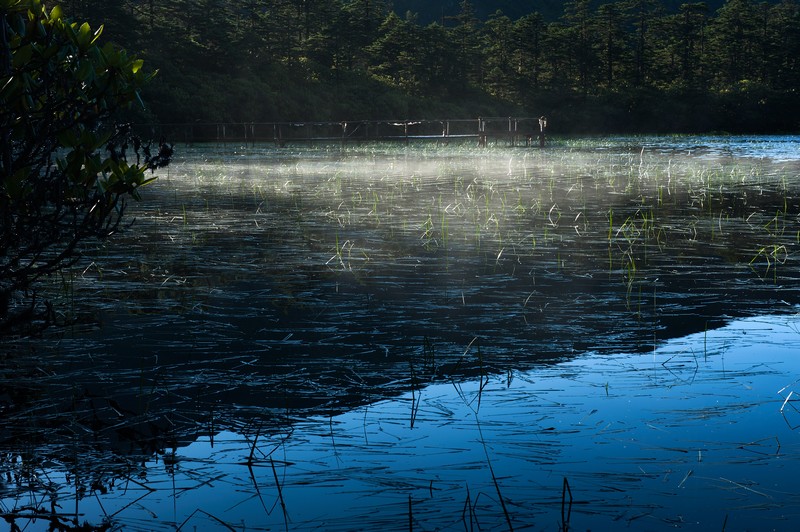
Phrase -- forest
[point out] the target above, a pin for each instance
(595, 67)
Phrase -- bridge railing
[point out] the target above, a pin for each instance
(484, 129)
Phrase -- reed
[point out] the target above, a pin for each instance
(500, 497)
(566, 505)
(279, 487)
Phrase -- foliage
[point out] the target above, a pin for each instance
(586, 67)
(64, 175)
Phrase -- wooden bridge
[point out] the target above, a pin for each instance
(511, 130)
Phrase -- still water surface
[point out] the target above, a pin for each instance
(602, 334)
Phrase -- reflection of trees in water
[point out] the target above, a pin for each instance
(61, 450)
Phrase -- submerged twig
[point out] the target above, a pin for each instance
(258, 490)
(280, 494)
(494, 478)
(414, 398)
(786, 400)
(253, 447)
(215, 518)
(468, 505)
(685, 478)
(566, 515)
(745, 487)
(410, 515)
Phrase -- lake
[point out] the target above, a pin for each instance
(597, 335)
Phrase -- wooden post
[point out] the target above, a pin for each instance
(481, 133)
(279, 137)
(542, 127)
(516, 130)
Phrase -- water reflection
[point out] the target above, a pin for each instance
(699, 432)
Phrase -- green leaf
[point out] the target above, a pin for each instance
(137, 65)
(56, 13)
(50, 51)
(14, 185)
(10, 90)
(6, 5)
(97, 34)
(147, 181)
(69, 29)
(85, 70)
(84, 36)
(139, 99)
(17, 25)
(67, 139)
(22, 55)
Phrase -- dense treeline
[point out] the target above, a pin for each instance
(628, 65)
(551, 10)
